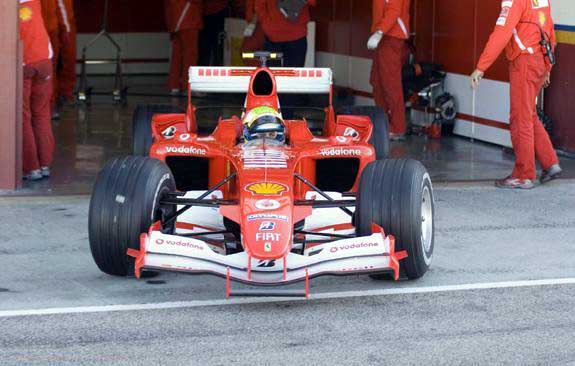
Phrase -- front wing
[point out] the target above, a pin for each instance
(368, 254)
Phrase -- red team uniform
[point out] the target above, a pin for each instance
(519, 32)
(38, 140)
(392, 18)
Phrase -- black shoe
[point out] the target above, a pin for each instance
(553, 172)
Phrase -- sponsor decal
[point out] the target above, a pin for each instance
(267, 237)
(179, 243)
(351, 133)
(259, 158)
(353, 246)
(188, 150)
(542, 18)
(267, 205)
(538, 4)
(25, 14)
(267, 264)
(169, 132)
(340, 151)
(341, 139)
(268, 247)
(267, 188)
(267, 226)
(185, 137)
(268, 217)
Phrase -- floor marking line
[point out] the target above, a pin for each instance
(319, 296)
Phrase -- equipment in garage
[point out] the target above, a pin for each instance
(430, 108)
(119, 92)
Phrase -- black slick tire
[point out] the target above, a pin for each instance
(398, 196)
(125, 202)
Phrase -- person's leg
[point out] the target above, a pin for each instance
(67, 69)
(375, 81)
(523, 94)
(295, 53)
(219, 22)
(205, 42)
(390, 57)
(40, 108)
(29, 152)
(174, 80)
(544, 151)
(189, 53)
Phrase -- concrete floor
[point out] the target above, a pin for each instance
(483, 236)
(88, 136)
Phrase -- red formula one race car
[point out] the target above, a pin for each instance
(262, 200)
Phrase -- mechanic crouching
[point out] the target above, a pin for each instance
(38, 139)
(526, 31)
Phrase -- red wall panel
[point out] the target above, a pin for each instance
(454, 46)
(123, 15)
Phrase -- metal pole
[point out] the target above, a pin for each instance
(10, 97)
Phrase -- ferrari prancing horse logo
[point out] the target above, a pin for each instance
(25, 14)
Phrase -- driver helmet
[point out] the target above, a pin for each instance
(264, 122)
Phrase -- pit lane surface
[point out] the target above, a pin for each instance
(483, 236)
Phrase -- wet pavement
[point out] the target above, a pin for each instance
(88, 136)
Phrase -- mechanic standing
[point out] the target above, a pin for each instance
(211, 43)
(184, 21)
(390, 30)
(67, 56)
(526, 31)
(38, 139)
(285, 28)
(284, 23)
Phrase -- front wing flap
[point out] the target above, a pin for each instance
(368, 254)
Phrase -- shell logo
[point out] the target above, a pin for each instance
(25, 14)
(542, 18)
(267, 188)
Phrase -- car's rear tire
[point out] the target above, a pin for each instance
(398, 196)
(142, 138)
(380, 135)
(124, 203)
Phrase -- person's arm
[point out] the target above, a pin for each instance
(386, 13)
(511, 12)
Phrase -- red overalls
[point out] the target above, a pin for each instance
(184, 20)
(392, 18)
(518, 31)
(38, 139)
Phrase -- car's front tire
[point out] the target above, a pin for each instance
(398, 196)
(125, 202)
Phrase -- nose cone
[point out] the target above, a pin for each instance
(267, 227)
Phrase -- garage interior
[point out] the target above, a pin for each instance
(449, 33)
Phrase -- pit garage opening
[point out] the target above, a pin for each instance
(123, 51)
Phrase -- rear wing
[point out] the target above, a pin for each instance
(237, 79)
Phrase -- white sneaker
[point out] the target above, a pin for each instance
(45, 170)
(33, 175)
